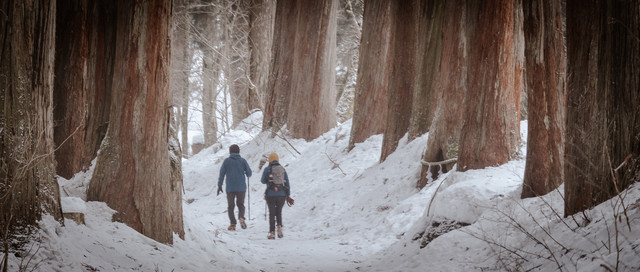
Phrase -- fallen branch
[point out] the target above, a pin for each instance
(335, 164)
(438, 163)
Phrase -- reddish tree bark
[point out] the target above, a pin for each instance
(132, 174)
(602, 150)
(370, 101)
(491, 132)
(546, 87)
(404, 72)
(281, 69)
(444, 134)
(69, 92)
(99, 74)
(430, 18)
(312, 105)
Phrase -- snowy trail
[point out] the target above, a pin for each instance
(330, 186)
(351, 213)
(296, 251)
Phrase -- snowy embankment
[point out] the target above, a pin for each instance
(352, 213)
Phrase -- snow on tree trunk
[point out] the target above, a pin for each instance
(132, 173)
(28, 187)
(444, 133)
(281, 69)
(404, 72)
(370, 102)
(603, 96)
(546, 87)
(490, 134)
(69, 93)
(312, 105)
(176, 181)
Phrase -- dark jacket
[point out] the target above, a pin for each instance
(265, 180)
(235, 168)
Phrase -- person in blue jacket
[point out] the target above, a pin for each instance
(235, 168)
(277, 192)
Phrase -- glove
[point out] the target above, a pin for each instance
(290, 201)
(219, 190)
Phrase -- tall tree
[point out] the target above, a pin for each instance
(261, 19)
(444, 134)
(603, 96)
(349, 33)
(208, 26)
(281, 69)
(546, 87)
(237, 34)
(370, 101)
(28, 187)
(70, 111)
(491, 131)
(132, 174)
(99, 74)
(404, 72)
(312, 102)
(430, 18)
(181, 55)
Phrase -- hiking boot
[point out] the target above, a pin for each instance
(271, 236)
(243, 225)
(232, 227)
(279, 230)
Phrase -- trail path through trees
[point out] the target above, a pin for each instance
(297, 251)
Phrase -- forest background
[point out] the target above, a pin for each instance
(115, 82)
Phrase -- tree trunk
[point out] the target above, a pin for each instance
(69, 93)
(370, 102)
(28, 187)
(132, 173)
(238, 35)
(546, 87)
(261, 19)
(180, 69)
(444, 134)
(176, 181)
(210, 29)
(491, 131)
(603, 96)
(430, 18)
(281, 68)
(312, 105)
(404, 72)
(101, 33)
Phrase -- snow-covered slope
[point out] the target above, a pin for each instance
(352, 213)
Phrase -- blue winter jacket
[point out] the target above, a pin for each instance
(265, 179)
(235, 168)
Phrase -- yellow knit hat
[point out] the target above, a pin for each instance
(273, 157)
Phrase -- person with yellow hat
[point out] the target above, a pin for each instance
(277, 192)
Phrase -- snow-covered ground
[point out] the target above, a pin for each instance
(351, 213)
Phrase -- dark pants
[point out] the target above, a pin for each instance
(275, 204)
(239, 200)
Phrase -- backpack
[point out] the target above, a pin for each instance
(276, 178)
